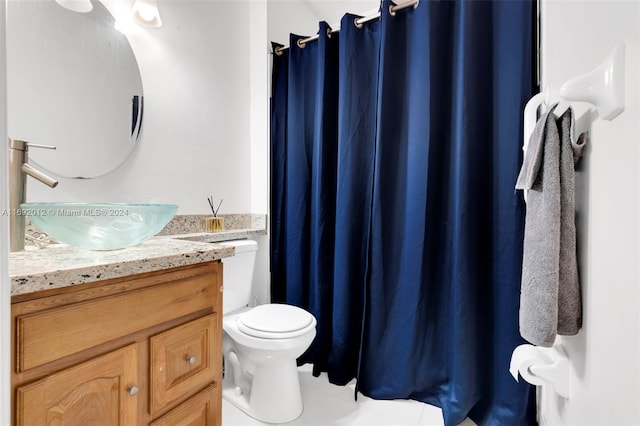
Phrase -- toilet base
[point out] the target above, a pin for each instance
(274, 396)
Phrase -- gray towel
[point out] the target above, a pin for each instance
(550, 301)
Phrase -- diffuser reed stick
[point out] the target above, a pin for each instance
(215, 223)
(214, 210)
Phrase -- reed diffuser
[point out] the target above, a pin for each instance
(215, 223)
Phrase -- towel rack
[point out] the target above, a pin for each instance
(602, 87)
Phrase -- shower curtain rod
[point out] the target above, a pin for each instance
(358, 23)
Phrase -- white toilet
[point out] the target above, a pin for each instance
(260, 345)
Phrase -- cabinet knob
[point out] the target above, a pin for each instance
(191, 359)
(133, 390)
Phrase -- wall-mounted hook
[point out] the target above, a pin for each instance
(602, 87)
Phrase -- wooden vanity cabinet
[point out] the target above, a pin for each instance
(140, 350)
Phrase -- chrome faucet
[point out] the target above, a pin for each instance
(19, 168)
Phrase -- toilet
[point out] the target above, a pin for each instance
(260, 344)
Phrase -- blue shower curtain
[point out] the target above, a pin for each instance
(395, 148)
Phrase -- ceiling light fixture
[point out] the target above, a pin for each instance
(145, 12)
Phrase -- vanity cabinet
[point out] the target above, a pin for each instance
(139, 350)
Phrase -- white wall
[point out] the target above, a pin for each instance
(195, 138)
(289, 16)
(605, 387)
(259, 138)
(5, 293)
(259, 77)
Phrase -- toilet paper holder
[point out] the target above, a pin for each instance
(542, 367)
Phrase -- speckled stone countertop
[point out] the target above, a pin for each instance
(181, 243)
(60, 265)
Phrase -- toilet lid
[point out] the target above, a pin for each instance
(275, 321)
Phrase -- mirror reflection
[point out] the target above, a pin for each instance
(72, 82)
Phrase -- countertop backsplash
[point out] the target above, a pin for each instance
(191, 224)
(188, 224)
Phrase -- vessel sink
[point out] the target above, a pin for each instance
(99, 226)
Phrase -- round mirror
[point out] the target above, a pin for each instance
(72, 82)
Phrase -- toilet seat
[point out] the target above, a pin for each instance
(275, 321)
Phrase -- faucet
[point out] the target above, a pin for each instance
(19, 168)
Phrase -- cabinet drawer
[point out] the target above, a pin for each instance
(200, 410)
(53, 334)
(184, 359)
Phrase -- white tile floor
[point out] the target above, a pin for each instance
(329, 405)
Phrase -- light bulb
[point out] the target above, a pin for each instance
(146, 12)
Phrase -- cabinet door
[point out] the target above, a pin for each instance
(201, 410)
(183, 360)
(97, 392)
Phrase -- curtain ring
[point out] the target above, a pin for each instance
(392, 12)
(279, 51)
(300, 43)
(328, 32)
(357, 24)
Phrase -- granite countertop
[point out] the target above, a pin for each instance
(61, 265)
(181, 243)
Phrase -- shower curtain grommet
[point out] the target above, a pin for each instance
(301, 44)
(357, 24)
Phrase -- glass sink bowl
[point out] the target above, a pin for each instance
(99, 226)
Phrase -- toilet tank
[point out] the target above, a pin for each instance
(237, 277)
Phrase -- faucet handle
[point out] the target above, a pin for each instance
(21, 145)
(37, 145)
